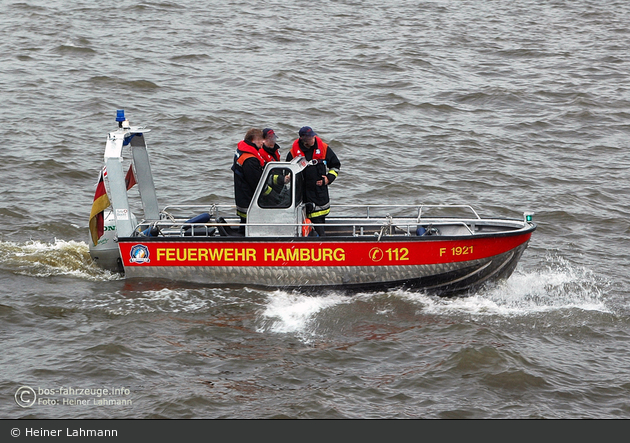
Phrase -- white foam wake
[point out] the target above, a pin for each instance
(39, 259)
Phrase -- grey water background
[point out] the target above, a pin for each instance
(506, 106)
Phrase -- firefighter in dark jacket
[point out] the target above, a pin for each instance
(316, 177)
(248, 167)
(280, 196)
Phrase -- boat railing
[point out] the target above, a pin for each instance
(416, 223)
(368, 209)
(417, 209)
(355, 228)
(466, 207)
(213, 210)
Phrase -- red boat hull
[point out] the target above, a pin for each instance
(433, 263)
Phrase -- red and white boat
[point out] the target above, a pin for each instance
(445, 249)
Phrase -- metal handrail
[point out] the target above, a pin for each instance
(341, 206)
(418, 208)
(358, 224)
(357, 228)
(447, 206)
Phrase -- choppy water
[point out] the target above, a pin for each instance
(507, 106)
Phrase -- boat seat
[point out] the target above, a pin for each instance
(202, 231)
(228, 231)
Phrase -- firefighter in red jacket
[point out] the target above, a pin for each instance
(316, 177)
(270, 150)
(248, 167)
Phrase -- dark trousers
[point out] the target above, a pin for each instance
(241, 228)
(319, 229)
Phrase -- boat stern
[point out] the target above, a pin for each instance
(106, 253)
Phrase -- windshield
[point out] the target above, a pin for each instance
(277, 190)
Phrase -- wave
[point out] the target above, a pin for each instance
(114, 82)
(557, 286)
(74, 50)
(59, 258)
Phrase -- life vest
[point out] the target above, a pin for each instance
(244, 151)
(318, 154)
(267, 157)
